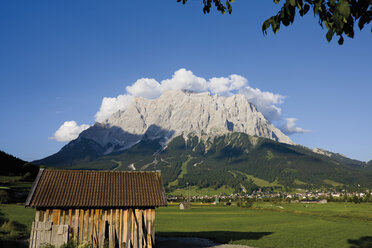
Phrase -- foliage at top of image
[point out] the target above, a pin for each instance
(338, 16)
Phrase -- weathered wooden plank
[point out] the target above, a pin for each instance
(111, 230)
(63, 217)
(100, 226)
(126, 223)
(121, 228)
(59, 235)
(149, 228)
(69, 217)
(153, 225)
(135, 230)
(46, 219)
(117, 216)
(55, 216)
(139, 224)
(86, 225)
(91, 226)
(58, 216)
(96, 215)
(76, 224)
(81, 225)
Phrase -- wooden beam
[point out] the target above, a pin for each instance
(111, 230)
(121, 228)
(81, 226)
(63, 217)
(135, 230)
(58, 216)
(76, 225)
(91, 226)
(117, 216)
(139, 224)
(100, 225)
(149, 229)
(153, 225)
(86, 225)
(37, 215)
(46, 219)
(126, 229)
(55, 216)
(96, 231)
(69, 217)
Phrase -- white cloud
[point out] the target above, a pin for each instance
(265, 102)
(226, 86)
(68, 131)
(184, 80)
(111, 105)
(290, 127)
(146, 88)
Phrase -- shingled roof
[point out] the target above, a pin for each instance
(96, 189)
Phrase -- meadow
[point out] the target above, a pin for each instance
(263, 225)
(266, 225)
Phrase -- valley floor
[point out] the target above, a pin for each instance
(287, 225)
(264, 225)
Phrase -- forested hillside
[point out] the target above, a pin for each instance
(235, 160)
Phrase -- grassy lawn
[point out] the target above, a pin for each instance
(328, 225)
(266, 225)
(15, 221)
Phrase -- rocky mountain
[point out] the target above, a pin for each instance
(208, 142)
(174, 113)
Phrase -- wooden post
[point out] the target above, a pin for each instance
(126, 229)
(117, 216)
(86, 225)
(149, 229)
(153, 226)
(81, 226)
(135, 230)
(76, 226)
(139, 225)
(111, 230)
(100, 226)
(58, 216)
(46, 219)
(37, 215)
(55, 216)
(121, 229)
(69, 217)
(96, 227)
(91, 226)
(63, 217)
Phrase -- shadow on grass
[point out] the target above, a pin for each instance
(363, 242)
(223, 237)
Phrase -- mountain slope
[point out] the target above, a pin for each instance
(234, 160)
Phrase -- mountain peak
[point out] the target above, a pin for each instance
(183, 112)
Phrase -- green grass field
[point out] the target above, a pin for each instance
(265, 225)
(290, 225)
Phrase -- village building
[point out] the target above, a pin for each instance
(96, 207)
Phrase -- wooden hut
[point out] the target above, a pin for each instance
(96, 207)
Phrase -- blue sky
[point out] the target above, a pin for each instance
(59, 59)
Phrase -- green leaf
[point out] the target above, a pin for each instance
(343, 8)
(329, 35)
